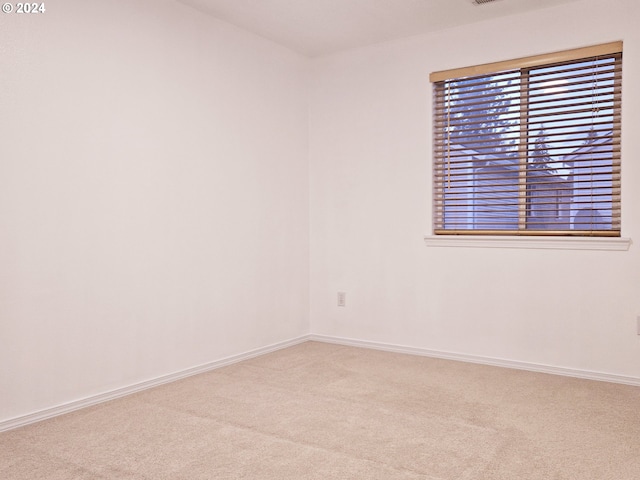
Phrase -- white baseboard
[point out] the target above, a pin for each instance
(155, 382)
(498, 362)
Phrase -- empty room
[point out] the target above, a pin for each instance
(320, 239)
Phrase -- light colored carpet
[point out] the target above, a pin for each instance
(320, 411)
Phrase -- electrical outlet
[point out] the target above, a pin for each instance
(342, 299)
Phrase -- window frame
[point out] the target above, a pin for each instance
(564, 238)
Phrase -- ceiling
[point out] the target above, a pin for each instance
(321, 27)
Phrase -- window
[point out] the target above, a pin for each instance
(530, 146)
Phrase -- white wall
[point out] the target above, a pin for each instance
(153, 197)
(370, 125)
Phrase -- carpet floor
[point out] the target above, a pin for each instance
(322, 411)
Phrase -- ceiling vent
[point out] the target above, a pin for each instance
(481, 2)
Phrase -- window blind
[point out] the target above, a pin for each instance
(530, 146)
